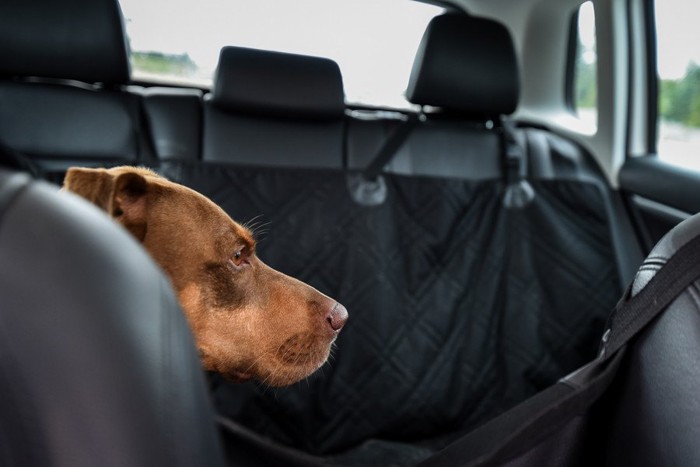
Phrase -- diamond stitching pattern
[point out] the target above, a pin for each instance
(459, 308)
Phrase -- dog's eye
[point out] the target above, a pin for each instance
(238, 259)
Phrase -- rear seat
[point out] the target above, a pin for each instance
(461, 306)
(63, 76)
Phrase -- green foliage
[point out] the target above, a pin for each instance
(679, 100)
(585, 85)
(163, 64)
(586, 88)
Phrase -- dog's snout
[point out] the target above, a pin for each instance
(337, 316)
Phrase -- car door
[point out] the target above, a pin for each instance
(661, 175)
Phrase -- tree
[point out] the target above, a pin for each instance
(679, 100)
(586, 87)
(164, 64)
(585, 76)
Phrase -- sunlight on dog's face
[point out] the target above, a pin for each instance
(249, 320)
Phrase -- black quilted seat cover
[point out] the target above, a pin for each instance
(459, 308)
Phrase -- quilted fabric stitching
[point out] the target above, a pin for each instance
(480, 352)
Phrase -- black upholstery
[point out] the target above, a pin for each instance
(97, 362)
(276, 84)
(466, 64)
(656, 414)
(82, 40)
(439, 146)
(58, 125)
(466, 71)
(232, 139)
(174, 119)
(52, 52)
(459, 308)
(552, 157)
(274, 109)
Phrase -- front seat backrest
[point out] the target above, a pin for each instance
(64, 69)
(656, 409)
(97, 363)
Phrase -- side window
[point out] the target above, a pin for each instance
(584, 87)
(678, 67)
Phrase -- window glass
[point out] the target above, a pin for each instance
(585, 87)
(678, 61)
(373, 41)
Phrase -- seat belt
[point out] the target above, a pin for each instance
(631, 316)
(518, 191)
(390, 147)
(367, 188)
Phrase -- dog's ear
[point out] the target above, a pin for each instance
(95, 185)
(130, 203)
(122, 195)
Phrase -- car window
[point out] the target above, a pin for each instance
(678, 62)
(373, 41)
(585, 88)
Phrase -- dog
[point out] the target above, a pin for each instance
(248, 320)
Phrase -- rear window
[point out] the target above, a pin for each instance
(373, 41)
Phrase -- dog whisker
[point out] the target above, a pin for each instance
(260, 234)
(257, 226)
(252, 220)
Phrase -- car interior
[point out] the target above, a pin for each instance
(478, 242)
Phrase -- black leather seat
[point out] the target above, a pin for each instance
(466, 86)
(655, 404)
(174, 119)
(63, 72)
(97, 363)
(274, 109)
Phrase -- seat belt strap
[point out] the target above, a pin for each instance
(390, 147)
(631, 316)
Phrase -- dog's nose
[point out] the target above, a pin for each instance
(337, 316)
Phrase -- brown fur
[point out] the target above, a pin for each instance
(248, 319)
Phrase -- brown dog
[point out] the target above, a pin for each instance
(248, 319)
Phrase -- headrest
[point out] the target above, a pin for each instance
(79, 40)
(278, 84)
(465, 64)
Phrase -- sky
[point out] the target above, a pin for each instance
(678, 36)
(677, 31)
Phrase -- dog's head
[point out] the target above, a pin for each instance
(248, 319)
